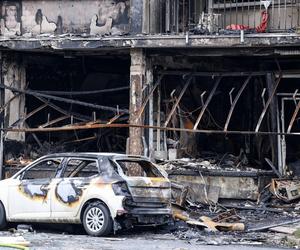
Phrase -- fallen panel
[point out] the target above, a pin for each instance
(229, 187)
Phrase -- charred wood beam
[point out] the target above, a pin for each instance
(235, 102)
(34, 136)
(33, 112)
(61, 99)
(83, 139)
(54, 121)
(149, 96)
(263, 113)
(91, 92)
(178, 100)
(293, 118)
(272, 118)
(3, 107)
(23, 119)
(274, 210)
(273, 168)
(62, 111)
(265, 227)
(37, 140)
(116, 125)
(215, 74)
(113, 119)
(207, 102)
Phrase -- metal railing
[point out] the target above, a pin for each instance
(180, 16)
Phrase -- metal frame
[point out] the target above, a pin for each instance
(92, 123)
(183, 16)
(233, 104)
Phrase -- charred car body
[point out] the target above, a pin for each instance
(94, 189)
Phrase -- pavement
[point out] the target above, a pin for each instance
(54, 241)
(62, 237)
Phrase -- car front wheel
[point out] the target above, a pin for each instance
(97, 220)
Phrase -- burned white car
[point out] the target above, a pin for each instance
(92, 189)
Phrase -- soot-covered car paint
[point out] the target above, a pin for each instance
(89, 188)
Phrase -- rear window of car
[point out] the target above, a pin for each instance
(138, 168)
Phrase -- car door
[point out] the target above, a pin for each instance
(70, 191)
(29, 198)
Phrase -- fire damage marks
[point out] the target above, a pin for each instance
(206, 91)
(69, 191)
(35, 190)
(83, 191)
(231, 161)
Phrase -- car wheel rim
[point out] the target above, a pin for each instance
(95, 219)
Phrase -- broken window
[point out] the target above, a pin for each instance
(81, 168)
(143, 168)
(44, 169)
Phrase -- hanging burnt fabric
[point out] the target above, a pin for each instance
(261, 28)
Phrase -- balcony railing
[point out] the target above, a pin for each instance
(212, 16)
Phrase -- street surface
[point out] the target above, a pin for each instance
(65, 237)
(42, 241)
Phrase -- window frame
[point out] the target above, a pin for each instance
(67, 159)
(135, 160)
(20, 175)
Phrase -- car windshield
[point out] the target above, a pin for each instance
(138, 168)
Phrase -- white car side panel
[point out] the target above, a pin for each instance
(4, 194)
(28, 200)
(80, 191)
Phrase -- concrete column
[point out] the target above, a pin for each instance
(137, 79)
(13, 71)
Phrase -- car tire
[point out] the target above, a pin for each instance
(3, 221)
(97, 220)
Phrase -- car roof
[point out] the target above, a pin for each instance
(96, 155)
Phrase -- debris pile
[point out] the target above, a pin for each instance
(210, 161)
(248, 224)
(200, 210)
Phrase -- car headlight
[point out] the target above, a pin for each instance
(120, 188)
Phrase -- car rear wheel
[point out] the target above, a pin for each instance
(3, 221)
(97, 220)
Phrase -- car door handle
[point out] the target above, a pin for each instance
(45, 188)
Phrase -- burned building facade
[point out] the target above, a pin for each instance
(166, 79)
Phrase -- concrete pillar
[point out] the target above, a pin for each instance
(14, 75)
(137, 78)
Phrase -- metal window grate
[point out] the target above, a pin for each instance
(180, 16)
